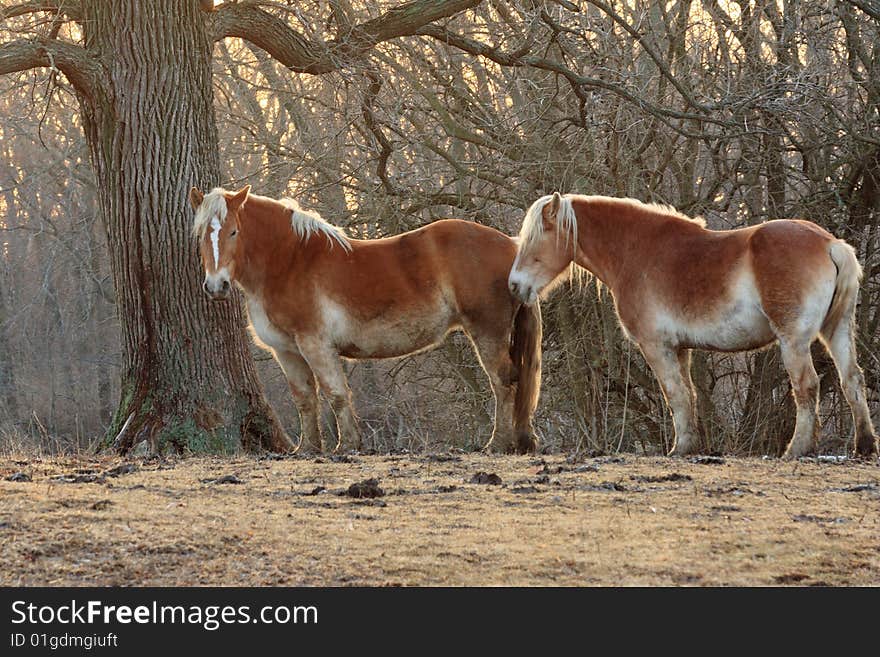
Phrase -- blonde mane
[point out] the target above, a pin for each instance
(213, 205)
(307, 223)
(533, 224)
(304, 223)
(566, 219)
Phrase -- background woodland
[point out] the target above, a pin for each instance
(739, 111)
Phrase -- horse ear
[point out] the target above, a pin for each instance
(196, 197)
(551, 210)
(238, 198)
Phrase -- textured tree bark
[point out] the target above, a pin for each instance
(8, 399)
(188, 382)
(8, 387)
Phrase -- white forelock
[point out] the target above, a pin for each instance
(566, 222)
(213, 207)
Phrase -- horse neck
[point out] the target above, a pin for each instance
(267, 248)
(614, 235)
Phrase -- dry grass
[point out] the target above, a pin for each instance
(596, 522)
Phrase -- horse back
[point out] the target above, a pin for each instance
(456, 262)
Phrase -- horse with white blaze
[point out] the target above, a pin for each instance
(315, 296)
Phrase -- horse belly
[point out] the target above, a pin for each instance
(738, 327)
(736, 323)
(387, 336)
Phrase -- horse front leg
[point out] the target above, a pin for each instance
(494, 356)
(671, 366)
(304, 391)
(327, 367)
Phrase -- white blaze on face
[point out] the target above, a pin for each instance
(215, 240)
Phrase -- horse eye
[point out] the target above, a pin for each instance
(233, 233)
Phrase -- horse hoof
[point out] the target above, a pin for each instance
(492, 448)
(526, 444)
(306, 448)
(866, 447)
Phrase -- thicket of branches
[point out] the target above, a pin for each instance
(739, 111)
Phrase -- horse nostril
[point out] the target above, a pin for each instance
(225, 285)
(514, 288)
(205, 287)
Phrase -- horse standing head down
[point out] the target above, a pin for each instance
(678, 286)
(315, 296)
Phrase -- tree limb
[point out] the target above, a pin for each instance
(301, 55)
(68, 7)
(80, 68)
(870, 7)
(658, 61)
(385, 148)
(515, 59)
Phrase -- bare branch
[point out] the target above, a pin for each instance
(870, 7)
(516, 59)
(82, 70)
(299, 54)
(658, 60)
(69, 8)
(386, 149)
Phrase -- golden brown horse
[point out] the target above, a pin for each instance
(314, 296)
(678, 286)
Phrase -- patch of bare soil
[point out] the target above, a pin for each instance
(439, 520)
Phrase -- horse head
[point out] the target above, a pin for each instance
(217, 225)
(547, 243)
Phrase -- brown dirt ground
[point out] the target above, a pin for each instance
(600, 521)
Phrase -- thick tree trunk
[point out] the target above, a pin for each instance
(8, 398)
(8, 388)
(188, 382)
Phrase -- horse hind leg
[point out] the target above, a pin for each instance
(840, 343)
(304, 391)
(684, 366)
(672, 368)
(805, 384)
(494, 356)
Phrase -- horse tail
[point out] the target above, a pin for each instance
(525, 353)
(849, 274)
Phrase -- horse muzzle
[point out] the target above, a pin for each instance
(521, 289)
(217, 287)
